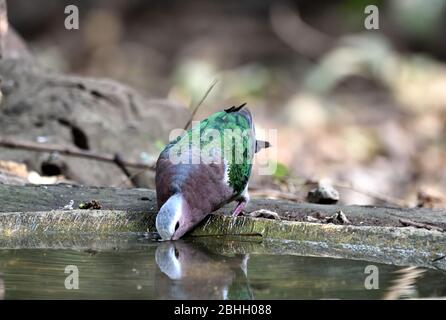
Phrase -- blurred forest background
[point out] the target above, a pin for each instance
(363, 109)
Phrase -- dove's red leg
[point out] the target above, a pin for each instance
(242, 202)
(239, 208)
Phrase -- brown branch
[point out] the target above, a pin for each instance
(69, 151)
(120, 163)
(131, 179)
(199, 104)
(410, 223)
(377, 196)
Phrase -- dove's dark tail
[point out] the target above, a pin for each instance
(235, 109)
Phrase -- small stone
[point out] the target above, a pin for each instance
(311, 219)
(263, 213)
(90, 251)
(323, 194)
(338, 218)
(69, 206)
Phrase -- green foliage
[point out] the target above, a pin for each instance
(281, 172)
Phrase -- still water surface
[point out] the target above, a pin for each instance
(145, 269)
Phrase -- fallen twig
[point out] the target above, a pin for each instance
(120, 163)
(438, 259)
(338, 217)
(194, 111)
(69, 151)
(410, 223)
(130, 179)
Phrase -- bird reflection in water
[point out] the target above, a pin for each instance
(189, 271)
(405, 284)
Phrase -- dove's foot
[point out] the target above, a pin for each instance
(238, 210)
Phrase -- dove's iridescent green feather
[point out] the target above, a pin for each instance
(229, 134)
